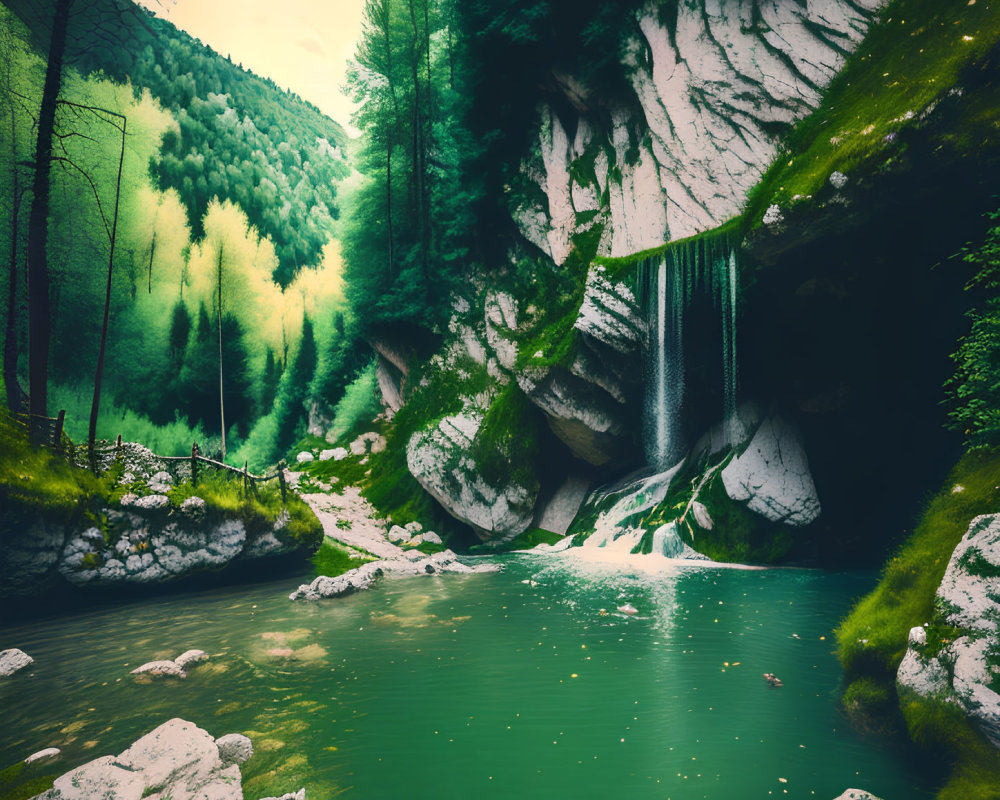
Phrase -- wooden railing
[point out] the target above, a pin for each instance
(43, 431)
(48, 432)
(250, 480)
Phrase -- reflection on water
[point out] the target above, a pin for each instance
(527, 683)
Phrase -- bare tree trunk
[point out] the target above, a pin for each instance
(39, 311)
(99, 376)
(222, 405)
(152, 250)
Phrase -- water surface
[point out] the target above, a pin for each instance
(481, 685)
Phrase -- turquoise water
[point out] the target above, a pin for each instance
(480, 685)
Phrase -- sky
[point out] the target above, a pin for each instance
(302, 45)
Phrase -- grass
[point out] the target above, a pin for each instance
(872, 639)
(524, 541)
(332, 560)
(21, 781)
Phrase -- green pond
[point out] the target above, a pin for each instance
(505, 685)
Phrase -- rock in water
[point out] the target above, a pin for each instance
(13, 660)
(234, 748)
(856, 794)
(178, 760)
(190, 658)
(629, 609)
(43, 755)
(160, 668)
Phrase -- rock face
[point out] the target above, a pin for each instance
(12, 661)
(716, 86)
(178, 760)
(441, 460)
(589, 400)
(962, 670)
(148, 541)
(772, 476)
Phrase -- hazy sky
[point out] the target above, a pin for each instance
(302, 45)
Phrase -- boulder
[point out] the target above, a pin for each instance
(961, 672)
(299, 795)
(304, 457)
(432, 538)
(441, 461)
(234, 748)
(556, 512)
(355, 580)
(335, 454)
(772, 476)
(13, 660)
(177, 760)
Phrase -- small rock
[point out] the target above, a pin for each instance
(414, 527)
(160, 668)
(43, 755)
(304, 457)
(701, 516)
(190, 657)
(234, 748)
(773, 216)
(432, 538)
(299, 795)
(151, 502)
(838, 180)
(856, 794)
(13, 660)
(193, 507)
(629, 609)
(326, 455)
(398, 534)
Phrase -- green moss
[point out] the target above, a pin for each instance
(19, 782)
(583, 170)
(332, 559)
(872, 707)
(943, 729)
(524, 541)
(430, 548)
(872, 639)
(506, 447)
(908, 61)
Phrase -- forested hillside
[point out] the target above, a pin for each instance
(224, 270)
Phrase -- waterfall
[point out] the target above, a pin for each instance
(700, 268)
(665, 381)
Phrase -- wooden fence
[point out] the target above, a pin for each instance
(250, 480)
(48, 432)
(43, 431)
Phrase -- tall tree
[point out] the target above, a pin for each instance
(39, 314)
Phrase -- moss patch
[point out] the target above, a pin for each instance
(332, 560)
(908, 61)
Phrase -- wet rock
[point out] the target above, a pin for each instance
(43, 755)
(13, 660)
(354, 580)
(190, 657)
(234, 748)
(159, 668)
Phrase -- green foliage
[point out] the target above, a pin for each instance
(943, 729)
(21, 782)
(872, 639)
(408, 234)
(973, 392)
(524, 541)
(332, 559)
(357, 407)
(507, 445)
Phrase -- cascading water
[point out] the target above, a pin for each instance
(672, 282)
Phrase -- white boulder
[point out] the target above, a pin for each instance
(234, 748)
(304, 457)
(13, 660)
(772, 476)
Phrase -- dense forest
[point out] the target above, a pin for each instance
(224, 265)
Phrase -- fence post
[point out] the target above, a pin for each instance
(194, 464)
(246, 480)
(281, 479)
(57, 439)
